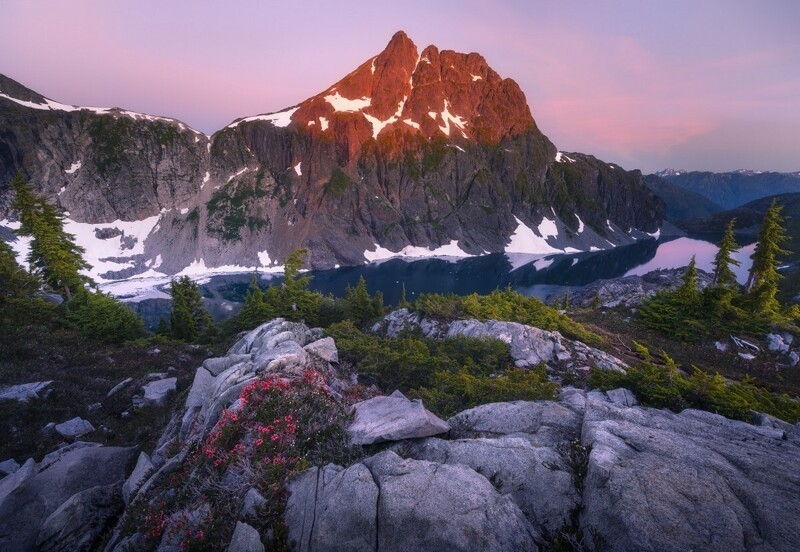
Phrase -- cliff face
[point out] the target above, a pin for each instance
(412, 153)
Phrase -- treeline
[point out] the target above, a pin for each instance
(724, 306)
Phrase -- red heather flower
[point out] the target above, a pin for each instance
(274, 437)
(259, 442)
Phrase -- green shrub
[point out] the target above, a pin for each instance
(104, 318)
(449, 374)
(338, 183)
(666, 386)
(452, 392)
(505, 305)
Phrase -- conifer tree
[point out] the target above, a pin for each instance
(54, 254)
(403, 304)
(360, 306)
(189, 319)
(723, 274)
(687, 291)
(762, 282)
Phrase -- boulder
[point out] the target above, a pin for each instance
(23, 511)
(622, 397)
(528, 346)
(216, 366)
(78, 522)
(24, 391)
(794, 358)
(253, 500)
(392, 504)
(12, 481)
(286, 356)
(245, 539)
(74, 428)
(657, 480)
(537, 478)
(776, 344)
(139, 475)
(7, 467)
(156, 392)
(392, 418)
(324, 349)
(547, 423)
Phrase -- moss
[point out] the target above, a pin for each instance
(338, 183)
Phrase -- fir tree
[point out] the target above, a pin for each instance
(403, 304)
(54, 254)
(687, 291)
(723, 274)
(360, 306)
(762, 283)
(565, 301)
(189, 319)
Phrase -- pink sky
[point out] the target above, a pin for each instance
(711, 85)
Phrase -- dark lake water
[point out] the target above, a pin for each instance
(540, 276)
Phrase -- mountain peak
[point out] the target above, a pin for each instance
(401, 92)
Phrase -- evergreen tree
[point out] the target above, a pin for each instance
(296, 302)
(360, 308)
(687, 291)
(565, 301)
(403, 304)
(723, 274)
(189, 319)
(762, 283)
(54, 254)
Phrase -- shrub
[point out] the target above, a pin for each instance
(449, 375)
(282, 428)
(505, 305)
(338, 183)
(667, 386)
(104, 318)
(452, 392)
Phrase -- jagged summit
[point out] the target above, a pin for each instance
(429, 93)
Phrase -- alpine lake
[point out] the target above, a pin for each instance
(543, 276)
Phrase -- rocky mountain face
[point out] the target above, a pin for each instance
(681, 203)
(413, 153)
(733, 189)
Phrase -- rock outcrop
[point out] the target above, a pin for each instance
(65, 501)
(528, 345)
(590, 467)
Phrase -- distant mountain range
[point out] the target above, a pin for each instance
(733, 189)
(411, 154)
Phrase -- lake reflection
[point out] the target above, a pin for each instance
(540, 275)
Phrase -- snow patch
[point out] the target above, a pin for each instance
(240, 173)
(184, 210)
(432, 115)
(448, 118)
(411, 251)
(74, 167)
(99, 251)
(655, 235)
(206, 178)
(561, 157)
(524, 240)
(476, 77)
(280, 119)
(340, 103)
(62, 190)
(581, 226)
(323, 123)
(372, 68)
(378, 125)
(297, 168)
(411, 123)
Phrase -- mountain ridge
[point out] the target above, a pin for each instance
(476, 176)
